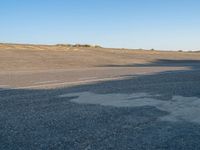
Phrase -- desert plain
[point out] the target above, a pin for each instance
(68, 97)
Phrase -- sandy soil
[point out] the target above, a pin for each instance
(43, 57)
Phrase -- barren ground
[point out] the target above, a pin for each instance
(41, 57)
(55, 97)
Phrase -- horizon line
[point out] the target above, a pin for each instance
(65, 44)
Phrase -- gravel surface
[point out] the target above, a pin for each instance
(51, 119)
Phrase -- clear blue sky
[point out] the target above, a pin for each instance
(158, 24)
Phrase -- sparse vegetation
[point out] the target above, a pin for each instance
(65, 56)
(78, 45)
(64, 45)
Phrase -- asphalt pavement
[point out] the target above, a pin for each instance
(155, 107)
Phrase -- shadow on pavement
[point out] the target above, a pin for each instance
(40, 119)
(168, 83)
(164, 62)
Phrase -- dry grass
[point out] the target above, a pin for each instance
(41, 57)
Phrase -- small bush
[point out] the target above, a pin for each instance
(78, 45)
(64, 45)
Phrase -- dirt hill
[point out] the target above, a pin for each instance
(25, 57)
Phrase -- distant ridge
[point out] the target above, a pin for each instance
(67, 46)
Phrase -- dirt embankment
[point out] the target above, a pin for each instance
(43, 57)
